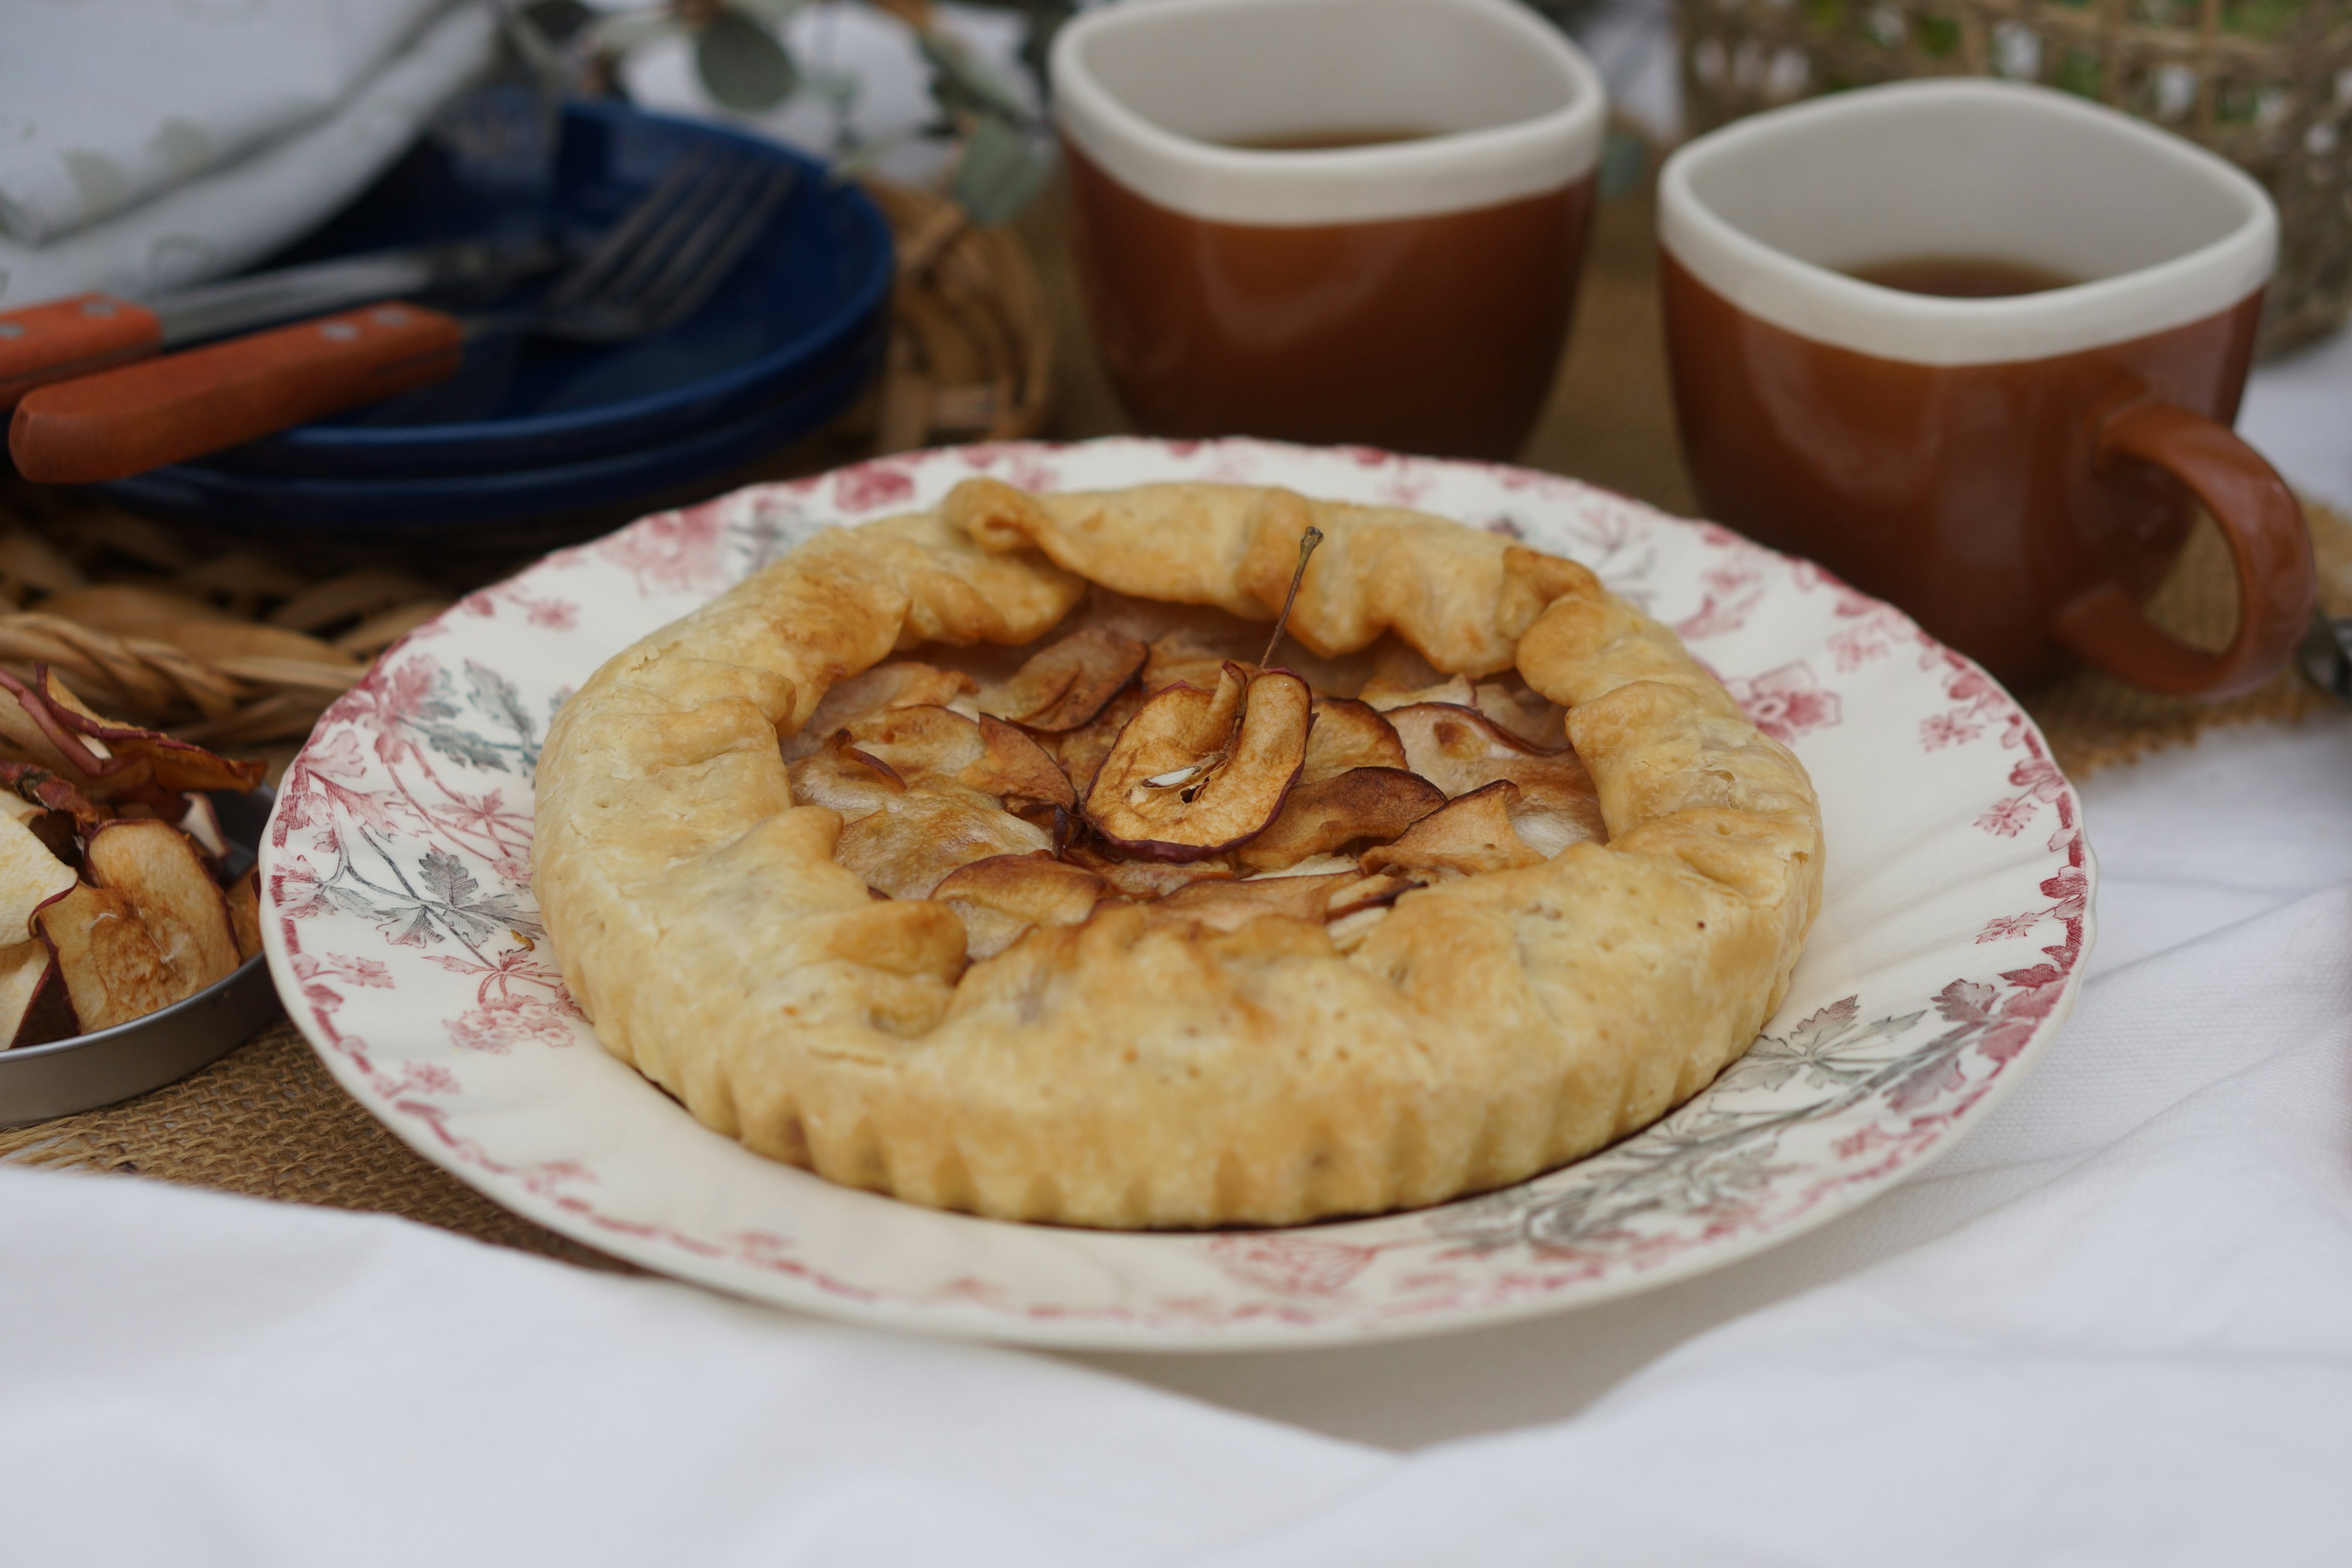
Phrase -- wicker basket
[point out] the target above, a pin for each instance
(2265, 83)
(163, 625)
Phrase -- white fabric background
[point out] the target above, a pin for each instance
(105, 102)
(328, 110)
(2112, 1327)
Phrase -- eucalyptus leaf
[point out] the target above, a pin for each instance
(1000, 172)
(741, 64)
(968, 76)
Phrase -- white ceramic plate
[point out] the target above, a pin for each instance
(401, 928)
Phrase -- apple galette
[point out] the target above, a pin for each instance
(993, 857)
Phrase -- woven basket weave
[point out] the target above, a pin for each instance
(2265, 83)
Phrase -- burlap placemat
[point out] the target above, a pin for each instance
(267, 1121)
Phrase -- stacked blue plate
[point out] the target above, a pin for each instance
(530, 431)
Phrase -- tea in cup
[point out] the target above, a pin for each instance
(1974, 346)
(1330, 220)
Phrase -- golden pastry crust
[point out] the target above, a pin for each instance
(1135, 1070)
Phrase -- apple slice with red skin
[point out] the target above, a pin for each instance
(1063, 687)
(1197, 772)
(112, 967)
(153, 866)
(1001, 897)
(244, 912)
(1349, 735)
(901, 683)
(1473, 834)
(170, 766)
(30, 876)
(34, 1007)
(1333, 813)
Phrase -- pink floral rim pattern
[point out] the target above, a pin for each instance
(404, 935)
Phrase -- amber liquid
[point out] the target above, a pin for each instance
(1962, 276)
(1328, 140)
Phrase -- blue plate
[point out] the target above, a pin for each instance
(399, 510)
(805, 297)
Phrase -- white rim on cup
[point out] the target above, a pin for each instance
(1766, 210)
(1147, 92)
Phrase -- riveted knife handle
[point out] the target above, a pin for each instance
(65, 338)
(169, 409)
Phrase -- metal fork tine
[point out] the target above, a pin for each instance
(614, 249)
(706, 258)
(709, 194)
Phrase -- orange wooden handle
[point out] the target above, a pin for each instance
(183, 406)
(64, 338)
(2278, 584)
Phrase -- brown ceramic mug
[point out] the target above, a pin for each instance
(2014, 470)
(1330, 220)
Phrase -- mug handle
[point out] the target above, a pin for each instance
(2270, 544)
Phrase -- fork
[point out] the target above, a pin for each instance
(652, 269)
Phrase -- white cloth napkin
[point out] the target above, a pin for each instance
(295, 109)
(2111, 1328)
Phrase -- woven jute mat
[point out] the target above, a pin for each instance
(269, 1121)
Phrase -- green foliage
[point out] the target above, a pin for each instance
(741, 64)
(1000, 172)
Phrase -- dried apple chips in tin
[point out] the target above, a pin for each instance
(113, 900)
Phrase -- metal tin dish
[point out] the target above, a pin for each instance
(63, 1077)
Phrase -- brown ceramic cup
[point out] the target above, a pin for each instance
(1408, 288)
(2016, 472)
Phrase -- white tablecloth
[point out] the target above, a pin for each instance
(2114, 1326)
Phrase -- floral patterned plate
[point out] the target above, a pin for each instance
(403, 933)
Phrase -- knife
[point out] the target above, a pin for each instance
(66, 338)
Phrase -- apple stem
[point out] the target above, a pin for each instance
(1307, 543)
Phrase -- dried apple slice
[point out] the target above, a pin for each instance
(1318, 818)
(244, 912)
(1460, 749)
(1185, 656)
(1196, 773)
(1064, 687)
(987, 755)
(56, 830)
(1523, 711)
(845, 780)
(1386, 694)
(908, 847)
(175, 766)
(30, 876)
(1144, 879)
(1375, 891)
(40, 787)
(112, 968)
(201, 822)
(901, 683)
(1080, 752)
(1349, 735)
(154, 865)
(33, 1008)
(1001, 897)
(1472, 835)
(1229, 906)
